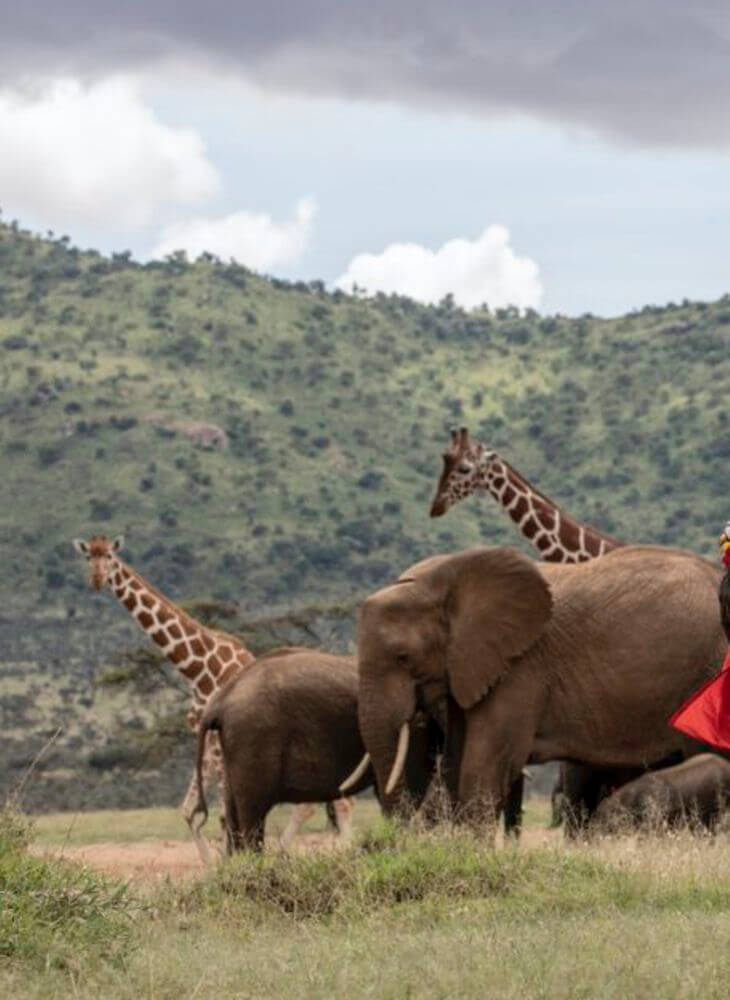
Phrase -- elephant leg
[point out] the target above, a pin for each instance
(513, 808)
(498, 737)
(329, 809)
(250, 835)
(245, 822)
(581, 787)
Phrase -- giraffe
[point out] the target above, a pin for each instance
(470, 466)
(207, 658)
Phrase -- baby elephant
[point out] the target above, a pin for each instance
(288, 731)
(694, 792)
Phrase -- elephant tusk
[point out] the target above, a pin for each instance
(400, 758)
(356, 774)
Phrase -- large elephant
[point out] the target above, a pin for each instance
(536, 662)
(696, 791)
(289, 733)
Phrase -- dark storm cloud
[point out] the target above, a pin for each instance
(648, 71)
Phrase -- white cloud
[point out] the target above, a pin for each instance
(474, 271)
(252, 238)
(96, 155)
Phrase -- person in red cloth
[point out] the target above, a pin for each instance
(705, 716)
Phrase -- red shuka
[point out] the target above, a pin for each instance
(705, 716)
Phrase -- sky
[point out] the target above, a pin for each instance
(565, 155)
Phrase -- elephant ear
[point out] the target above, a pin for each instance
(498, 603)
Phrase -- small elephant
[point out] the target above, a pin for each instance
(693, 792)
(579, 790)
(288, 729)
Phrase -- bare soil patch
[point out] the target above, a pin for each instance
(153, 860)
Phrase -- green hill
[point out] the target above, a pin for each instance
(276, 446)
(328, 415)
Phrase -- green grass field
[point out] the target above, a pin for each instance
(402, 914)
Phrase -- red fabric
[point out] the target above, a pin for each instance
(705, 716)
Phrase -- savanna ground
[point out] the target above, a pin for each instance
(402, 913)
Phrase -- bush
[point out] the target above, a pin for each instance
(56, 914)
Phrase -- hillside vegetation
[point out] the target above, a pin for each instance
(271, 443)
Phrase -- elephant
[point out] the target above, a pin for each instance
(288, 728)
(579, 790)
(694, 792)
(535, 662)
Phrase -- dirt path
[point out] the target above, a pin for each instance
(145, 860)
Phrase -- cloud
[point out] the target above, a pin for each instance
(647, 71)
(252, 238)
(474, 271)
(95, 155)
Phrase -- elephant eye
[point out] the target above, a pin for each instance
(401, 657)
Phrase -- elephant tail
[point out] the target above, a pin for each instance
(210, 722)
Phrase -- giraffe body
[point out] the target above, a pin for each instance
(207, 658)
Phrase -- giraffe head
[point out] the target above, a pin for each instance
(100, 553)
(465, 464)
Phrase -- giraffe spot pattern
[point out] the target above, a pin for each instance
(179, 653)
(160, 637)
(145, 619)
(196, 645)
(520, 508)
(205, 684)
(530, 527)
(225, 653)
(148, 600)
(175, 631)
(192, 670)
(130, 602)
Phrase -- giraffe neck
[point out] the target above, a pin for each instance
(557, 536)
(207, 659)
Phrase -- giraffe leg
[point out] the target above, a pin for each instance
(299, 815)
(190, 811)
(343, 814)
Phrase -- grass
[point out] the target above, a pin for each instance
(423, 914)
(55, 915)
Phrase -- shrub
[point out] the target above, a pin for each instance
(56, 914)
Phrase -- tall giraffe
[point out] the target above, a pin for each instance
(207, 659)
(469, 467)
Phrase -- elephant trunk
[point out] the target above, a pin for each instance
(385, 717)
